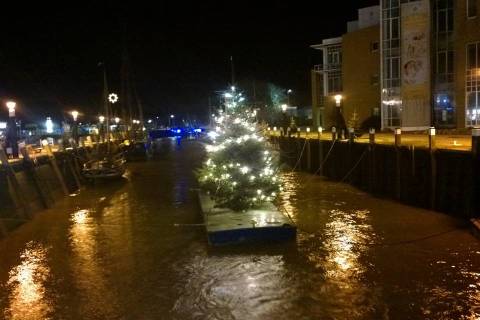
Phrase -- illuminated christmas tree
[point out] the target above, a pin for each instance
(240, 172)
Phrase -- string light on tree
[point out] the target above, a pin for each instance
(236, 184)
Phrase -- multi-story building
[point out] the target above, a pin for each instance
(426, 76)
(345, 87)
(428, 62)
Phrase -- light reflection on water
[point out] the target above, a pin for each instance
(26, 283)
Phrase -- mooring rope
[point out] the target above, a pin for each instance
(323, 162)
(300, 158)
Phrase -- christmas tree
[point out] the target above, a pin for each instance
(241, 171)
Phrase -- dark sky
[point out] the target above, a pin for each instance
(179, 50)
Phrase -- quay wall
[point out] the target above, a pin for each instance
(442, 180)
(30, 186)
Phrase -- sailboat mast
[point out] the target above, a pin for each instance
(105, 105)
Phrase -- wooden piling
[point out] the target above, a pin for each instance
(56, 170)
(15, 185)
(309, 155)
(39, 185)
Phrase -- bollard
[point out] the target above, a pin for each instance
(351, 135)
(475, 177)
(398, 137)
(431, 138)
(371, 135)
(433, 167)
(320, 131)
(334, 133)
(475, 142)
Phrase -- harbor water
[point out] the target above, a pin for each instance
(136, 249)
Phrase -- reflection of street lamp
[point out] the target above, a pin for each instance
(12, 129)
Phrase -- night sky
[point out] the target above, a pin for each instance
(179, 51)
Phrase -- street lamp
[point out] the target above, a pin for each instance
(12, 144)
(11, 108)
(338, 100)
(117, 120)
(284, 107)
(170, 121)
(49, 125)
(74, 114)
(101, 120)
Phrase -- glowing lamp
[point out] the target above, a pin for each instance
(117, 120)
(49, 125)
(101, 119)
(284, 107)
(338, 99)
(74, 114)
(11, 108)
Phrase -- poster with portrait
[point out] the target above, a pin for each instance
(416, 64)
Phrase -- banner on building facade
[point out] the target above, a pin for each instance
(416, 64)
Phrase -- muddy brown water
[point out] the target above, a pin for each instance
(131, 250)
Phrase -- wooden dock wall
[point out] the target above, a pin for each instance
(441, 180)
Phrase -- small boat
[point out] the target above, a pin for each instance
(110, 167)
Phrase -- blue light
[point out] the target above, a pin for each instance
(197, 130)
(179, 131)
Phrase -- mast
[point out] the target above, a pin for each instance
(232, 66)
(105, 105)
(126, 90)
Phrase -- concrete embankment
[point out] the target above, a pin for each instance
(437, 179)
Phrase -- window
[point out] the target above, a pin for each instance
(473, 84)
(471, 8)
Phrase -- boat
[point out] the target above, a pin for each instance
(109, 164)
(110, 167)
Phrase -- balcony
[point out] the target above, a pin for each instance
(327, 67)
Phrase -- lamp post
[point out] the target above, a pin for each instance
(171, 120)
(338, 104)
(101, 120)
(12, 143)
(289, 92)
(75, 114)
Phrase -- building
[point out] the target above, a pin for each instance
(428, 61)
(346, 86)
